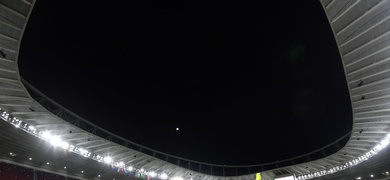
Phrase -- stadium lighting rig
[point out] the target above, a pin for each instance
(385, 142)
(55, 140)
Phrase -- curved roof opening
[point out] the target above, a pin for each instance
(242, 83)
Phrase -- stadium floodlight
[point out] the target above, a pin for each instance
(385, 142)
(130, 168)
(378, 147)
(5, 115)
(107, 159)
(121, 164)
(64, 145)
(46, 135)
(97, 157)
(164, 176)
(177, 178)
(152, 174)
(287, 178)
(55, 141)
(84, 152)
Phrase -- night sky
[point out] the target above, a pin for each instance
(246, 82)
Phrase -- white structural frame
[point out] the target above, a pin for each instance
(361, 29)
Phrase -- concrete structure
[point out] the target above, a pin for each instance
(362, 32)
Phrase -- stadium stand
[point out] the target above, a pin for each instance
(362, 33)
(13, 172)
(9, 171)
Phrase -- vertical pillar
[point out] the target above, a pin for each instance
(35, 175)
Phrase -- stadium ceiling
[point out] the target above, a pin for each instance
(362, 33)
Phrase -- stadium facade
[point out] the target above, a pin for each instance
(40, 134)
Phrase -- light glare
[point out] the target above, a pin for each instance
(55, 141)
(107, 159)
(177, 178)
(64, 145)
(164, 176)
(46, 135)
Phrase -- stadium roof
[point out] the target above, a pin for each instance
(232, 79)
(361, 32)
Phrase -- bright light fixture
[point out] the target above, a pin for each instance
(164, 176)
(107, 159)
(64, 145)
(285, 178)
(46, 135)
(55, 141)
(177, 178)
